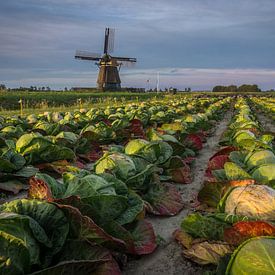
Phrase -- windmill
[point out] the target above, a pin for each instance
(109, 66)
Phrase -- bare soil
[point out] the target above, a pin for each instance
(267, 123)
(168, 259)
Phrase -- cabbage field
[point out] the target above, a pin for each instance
(178, 186)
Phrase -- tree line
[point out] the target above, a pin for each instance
(245, 88)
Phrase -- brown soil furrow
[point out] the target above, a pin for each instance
(267, 123)
(167, 259)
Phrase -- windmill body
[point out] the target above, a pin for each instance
(109, 66)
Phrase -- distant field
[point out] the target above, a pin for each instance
(44, 100)
(37, 102)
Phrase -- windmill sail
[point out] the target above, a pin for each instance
(85, 55)
(109, 40)
(108, 77)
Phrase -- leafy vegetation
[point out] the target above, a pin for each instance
(91, 177)
(238, 199)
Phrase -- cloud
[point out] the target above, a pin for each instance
(42, 36)
(196, 78)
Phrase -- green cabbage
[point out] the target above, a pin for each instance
(265, 174)
(260, 157)
(14, 256)
(255, 256)
(254, 201)
(157, 152)
(135, 145)
(121, 165)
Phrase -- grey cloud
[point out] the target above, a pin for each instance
(42, 36)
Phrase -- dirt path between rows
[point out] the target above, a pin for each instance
(167, 259)
(267, 123)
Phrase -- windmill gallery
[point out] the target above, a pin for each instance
(109, 66)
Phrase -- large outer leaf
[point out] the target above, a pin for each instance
(207, 252)
(140, 181)
(183, 238)
(144, 237)
(66, 138)
(18, 160)
(265, 174)
(13, 186)
(120, 187)
(179, 170)
(121, 165)
(57, 188)
(194, 141)
(32, 142)
(19, 227)
(219, 175)
(102, 208)
(241, 182)
(134, 146)
(225, 151)
(136, 128)
(135, 207)
(81, 267)
(255, 256)
(87, 260)
(211, 193)
(244, 230)
(105, 208)
(14, 256)
(157, 152)
(39, 190)
(235, 172)
(237, 157)
(59, 166)
(55, 152)
(204, 226)
(11, 161)
(82, 226)
(217, 162)
(48, 216)
(260, 157)
(6, 165)
(109, 234)
(163, 199)
(215, 165)
(87, 186)
(26, 172)
(243, 135)
(181, 175)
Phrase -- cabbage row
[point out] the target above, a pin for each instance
(85, 210)
(234, 226)
(265, 105)
(54, 141)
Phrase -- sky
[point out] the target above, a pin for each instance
(190, 43)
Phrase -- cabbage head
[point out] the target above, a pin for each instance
(118, 164)
(260, 157)
(254, 201)
(255, 256)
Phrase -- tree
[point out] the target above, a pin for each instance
(2, 87)
(219, 89)
(232, 89)
(249, 89)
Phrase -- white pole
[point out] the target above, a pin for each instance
(158, 82)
